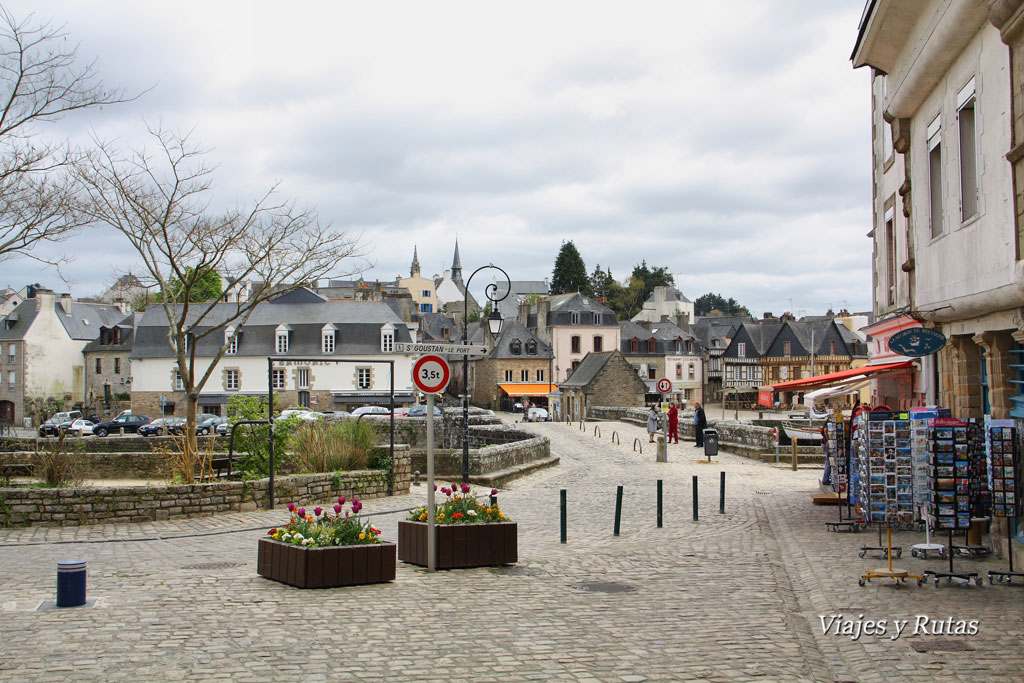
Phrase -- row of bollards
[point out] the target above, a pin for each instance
(660, 515)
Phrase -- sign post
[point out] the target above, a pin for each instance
(431, 375)
(664, 386)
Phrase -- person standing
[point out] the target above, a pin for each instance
(700, 422)
(652, 423)
(673, 423)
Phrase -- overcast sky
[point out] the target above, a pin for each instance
(728, 142)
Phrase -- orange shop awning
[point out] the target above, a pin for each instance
(541, 389)
(819, 381)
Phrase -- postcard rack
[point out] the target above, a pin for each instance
(1004, 476)
(837, 447)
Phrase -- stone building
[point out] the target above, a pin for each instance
(304, 334)
(107, 365)
(574, 326)
(42, 344)
(601, 379)
(518, 366)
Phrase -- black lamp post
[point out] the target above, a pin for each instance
(494, 325)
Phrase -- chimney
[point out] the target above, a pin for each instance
(646, 324)
(768, 315)
(683, 321)
(44, 299)
(543, 309)
(124, 306)
(524, 312)
(65, 302)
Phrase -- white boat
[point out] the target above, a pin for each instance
(804, 433)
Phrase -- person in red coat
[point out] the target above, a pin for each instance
(673, 423)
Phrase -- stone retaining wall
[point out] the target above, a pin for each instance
(493, 458)
(729, 431)
(22, 506)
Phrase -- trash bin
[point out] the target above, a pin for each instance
(710, 442)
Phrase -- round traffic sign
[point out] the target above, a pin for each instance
(664, 386)
(431, 374)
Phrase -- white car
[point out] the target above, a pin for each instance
(370, 410)
(301, 413)
(80, 427)
(537, 415)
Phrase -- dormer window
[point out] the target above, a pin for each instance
(104, 336)
(281, 338)
(651, 345)
(446, 333)
(531, 348)
(231, 339)
(574, 318)
(679, 346)
(516, 347)
(327, 337)
(387, 338)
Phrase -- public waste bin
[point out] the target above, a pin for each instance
(710, 442)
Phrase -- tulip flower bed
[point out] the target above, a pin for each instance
(468, 533)
(321, 550)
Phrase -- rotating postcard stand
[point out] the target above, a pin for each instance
(1004, 475)
(837, 450)
(950, 490)
(922, 549)
(919, 449)
(886, 476)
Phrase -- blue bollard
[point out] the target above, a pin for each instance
(71, 583)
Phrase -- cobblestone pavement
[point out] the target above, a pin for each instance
(734, 596)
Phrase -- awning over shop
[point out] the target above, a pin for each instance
(831, 379)
(540, 389)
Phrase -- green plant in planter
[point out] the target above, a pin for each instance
(321, 529)
(460, 507)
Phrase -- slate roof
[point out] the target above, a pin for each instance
(83, 323)
(127, 326)
(629, 330)
(762, 334)
(512, 330)
(432, 326)
(358, 323)
(671, 294)
(587, 370)
(670, 331)
(574, 301)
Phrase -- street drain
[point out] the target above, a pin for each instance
(940, 645)
(763, 493)
(609, 587)
(214, 565)
(518, 571)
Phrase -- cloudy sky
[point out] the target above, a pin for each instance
(728, 142)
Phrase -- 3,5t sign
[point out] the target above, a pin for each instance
(431, 374)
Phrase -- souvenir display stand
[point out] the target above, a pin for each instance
(951, 443)
(1004, 479)
(836, 445)
(897, 575)
(886, 475)
(920, 454)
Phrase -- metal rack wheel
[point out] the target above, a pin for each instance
(861, 554)
(861, 582)
(978, 581)
(913, 553)
(920, 582)
(899, 554)
(1009, 580)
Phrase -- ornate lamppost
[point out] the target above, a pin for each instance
(494, 325)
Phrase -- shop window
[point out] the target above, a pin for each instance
(1017, 409)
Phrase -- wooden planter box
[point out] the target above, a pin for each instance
(459, 545)
(345, 565)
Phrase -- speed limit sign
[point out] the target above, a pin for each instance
(430, 374)
(664, 385)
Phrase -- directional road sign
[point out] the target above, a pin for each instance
(431, 374)
(664, 385)
(442, 349)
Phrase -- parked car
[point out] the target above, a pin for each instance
(129, 423)
(79, 427)
(160, 426)
(421, 411)
(52, 427)
(336, 414)
(301, 413)
(178, 428)
(208, 425)
(370, 410)
(537, 415)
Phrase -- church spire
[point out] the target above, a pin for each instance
(414, 270)
(457, 266)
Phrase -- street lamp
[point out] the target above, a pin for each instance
(494, 325)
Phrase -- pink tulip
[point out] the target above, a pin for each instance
(291, 507)
(465, 488)
(301, 512)
(494, 492)
(317, 511)
(341, 500)
(337, 509)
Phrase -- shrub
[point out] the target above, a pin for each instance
(328, 447)
(253, 441)
(61, 462)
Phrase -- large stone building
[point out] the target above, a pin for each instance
(108, 364)
(304, 334)
(573, 325)
(602, 379)
(42, 342)
(519, 365)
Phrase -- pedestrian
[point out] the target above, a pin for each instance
(652, 423)
(700, 421)
(673, 423)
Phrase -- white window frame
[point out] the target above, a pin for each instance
(232, 379)
(302, 378)
(278, 378)
(387, 338)
(574, 318)
(281, 334)
(179, 384)
(364, 378)
(741, 349)
(12, 379)
(966, 101)
(508, 376)
(524, 375)
(231, 339)
(327, 338)
(936, 197)
(540, 375)
(12, 353)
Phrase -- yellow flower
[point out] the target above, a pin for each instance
(362, 537)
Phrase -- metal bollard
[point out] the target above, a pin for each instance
(562, 496)
(659, 504)
(618, 508)
(721, 495)
(695, 497)
(494, 500)
(71, 583)
(415, 477)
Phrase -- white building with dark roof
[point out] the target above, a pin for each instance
(664, 301)
(305, 335)
(42, 342)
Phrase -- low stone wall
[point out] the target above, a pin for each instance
(23, 506)
(109, 444)
(493, 458)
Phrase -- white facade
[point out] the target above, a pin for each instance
(664, 301)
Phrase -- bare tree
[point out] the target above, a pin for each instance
(161, 203)
(40, 81)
